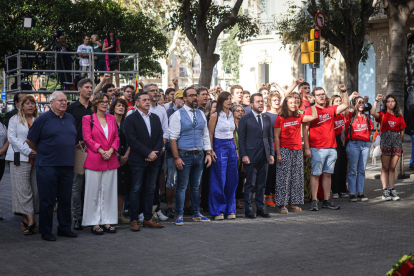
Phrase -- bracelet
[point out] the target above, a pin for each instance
(377, 101)
(177, 157)
(208, 153)
(297, 82)
(343, 91)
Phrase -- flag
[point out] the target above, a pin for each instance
(136, 85)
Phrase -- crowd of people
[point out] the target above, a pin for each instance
(214, 151)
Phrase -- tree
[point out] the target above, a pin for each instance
(346, 27)
(137, 32)
(186, 53)
(230, 50)
(398, 12)
(203, 22)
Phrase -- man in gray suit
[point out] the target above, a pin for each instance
(257, 151)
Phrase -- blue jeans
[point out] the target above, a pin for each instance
(151, 173)
(357, 152)
(191, 172)
(171, 174)
(412, 151)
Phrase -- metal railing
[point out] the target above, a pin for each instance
(21, 65)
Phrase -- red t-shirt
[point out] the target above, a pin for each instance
(322, 132)
(130, 106)
(391, 122)
(305, 105)
(360, 129)
(290, 131)
(339, 124)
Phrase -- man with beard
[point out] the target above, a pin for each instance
(203, 98)
(80, 108)
(189, 136)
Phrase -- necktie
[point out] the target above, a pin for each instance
(194, 117)
(260, 121)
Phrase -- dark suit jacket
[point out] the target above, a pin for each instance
(253, 140)
(8, 115)
(140, 142)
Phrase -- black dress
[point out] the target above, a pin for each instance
(124, 172)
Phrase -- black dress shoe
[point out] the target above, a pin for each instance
(48, 237)
(69, 234)
(1, 218)
(263, 214)
(250, 215)
(78, 225)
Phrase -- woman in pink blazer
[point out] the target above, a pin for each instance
(100, 134)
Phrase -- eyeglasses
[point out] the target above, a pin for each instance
(360, 102)
(62, 101)
(320, 95)
(104, 102)
(239, 110)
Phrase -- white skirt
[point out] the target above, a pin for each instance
(101, 198)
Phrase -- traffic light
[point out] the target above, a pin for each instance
(310, 51)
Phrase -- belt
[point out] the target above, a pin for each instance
(190, 151)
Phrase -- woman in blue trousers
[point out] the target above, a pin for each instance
(223, 171)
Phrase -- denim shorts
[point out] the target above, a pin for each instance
(323, 161)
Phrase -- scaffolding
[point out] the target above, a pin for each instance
(49, 63)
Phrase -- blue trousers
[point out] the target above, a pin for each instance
(223, 179)
(54, 182)
(412, 151)
(357, 152)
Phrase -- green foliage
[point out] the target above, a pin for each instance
(230, 52)
(400, 263)
(137, 32)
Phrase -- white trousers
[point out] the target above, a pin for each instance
(101, 198)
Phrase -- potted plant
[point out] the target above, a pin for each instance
(404, 267)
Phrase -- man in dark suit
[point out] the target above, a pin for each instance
(17, 99)
(145, 137)
(257, 151)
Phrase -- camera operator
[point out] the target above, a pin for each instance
(64, 60)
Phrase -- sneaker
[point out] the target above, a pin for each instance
(353, 198)
(201, 218)
(141, 217)
(335, 196)
(362, 198)
(393, 194)
(386, 195)
(343, 195)
(274, 198)
(161, 216)
(314, 205)
(169, 213)
(330, 205)
(179, 221)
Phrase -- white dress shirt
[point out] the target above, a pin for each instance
(261, 117)
(174, 128)
(225, 126)
(162, 114)
(146, 120)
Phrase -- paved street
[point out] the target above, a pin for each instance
(359, 239)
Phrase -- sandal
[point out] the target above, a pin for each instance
(219, 217)
(97, 231)
(240, 204)
(295, 209)
(23, 226)
(109, 229)
(283, 210)
(31, 229)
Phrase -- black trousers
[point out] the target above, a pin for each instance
(156, 200)
(271, 179)
(2, 166)
(54, 182)
(239, 190)
(255, 174)
(205, 188)
(339, 176)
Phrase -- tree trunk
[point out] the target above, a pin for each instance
(352, 75)
(207, 65)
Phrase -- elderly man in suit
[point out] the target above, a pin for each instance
(257, 151)
(145, 136)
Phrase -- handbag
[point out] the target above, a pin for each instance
(375, 150)
(16, 157)
(80, 158)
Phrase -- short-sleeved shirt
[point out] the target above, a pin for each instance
(359, 130)
(290, 133)
(55, 138)
(78, 110)
(391, 122)
(339, 121)
(84, 61)
(305, 105)
(97, 49)
(321, 131)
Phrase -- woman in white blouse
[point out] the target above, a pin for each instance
(223, 171)
(25, 197)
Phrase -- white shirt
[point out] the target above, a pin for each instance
(105, 129)
(175, 127)
(225, 126)
(146, 120)
(261, 117)
(84, 61)
(167, 105)
(161, 113)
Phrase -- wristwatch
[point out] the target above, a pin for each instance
(208, 153)
(177, 157)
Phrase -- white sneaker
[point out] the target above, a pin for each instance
(335, 196)
(161, 216)
(393, 194)
(343, 195)
(386, 195)
(141, 217)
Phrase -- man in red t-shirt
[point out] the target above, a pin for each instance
(128, 96)
(304, 90)
(320, 144)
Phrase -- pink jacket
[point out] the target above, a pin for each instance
(95, 139)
